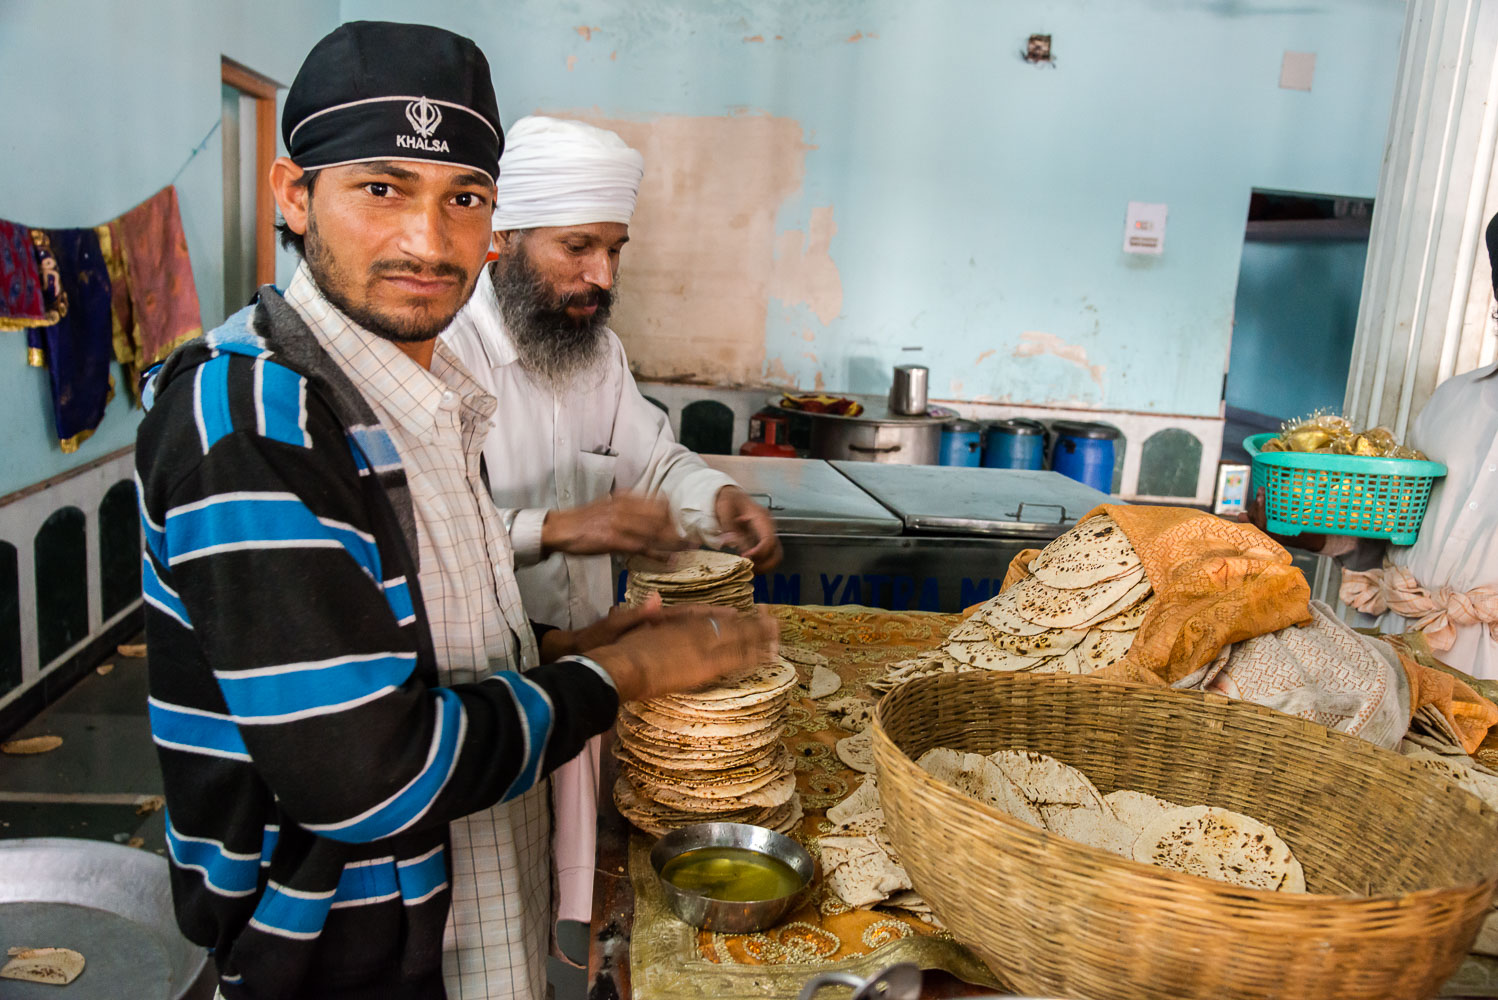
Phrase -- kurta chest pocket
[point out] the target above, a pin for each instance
(595, 476)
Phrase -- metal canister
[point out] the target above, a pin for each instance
(907, 394)
(962, 443)
(1016, 443)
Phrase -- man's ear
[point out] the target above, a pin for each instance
(292, 198)
(506, 240)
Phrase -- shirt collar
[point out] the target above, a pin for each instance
(1487, 372)
(482, 311)
(406, 393)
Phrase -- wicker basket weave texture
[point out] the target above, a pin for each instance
(1401, 865)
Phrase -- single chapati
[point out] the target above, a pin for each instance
(777, 792)
(864, 798)
(1000, 614)
(1102, 649)
(1095, 828)
(852, 714)
(767, 681)
(1138, 809)
(1220, 844)
(942, 763)
(802, 656)
(1092, 552)
(1048, 783)
(701, 729)
(985, 781)
(53, 966)
(824, 682)
(1130, 599)
(1130, 620)
(857, 751)
(984, 655)
(865, 824)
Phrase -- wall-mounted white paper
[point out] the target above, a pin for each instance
(1144, 228)
(1297, 70)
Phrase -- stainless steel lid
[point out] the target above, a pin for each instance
(807, 496)
(957, 500)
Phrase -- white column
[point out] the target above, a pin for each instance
(1427, 291)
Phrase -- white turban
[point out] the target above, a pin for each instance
(564, 173)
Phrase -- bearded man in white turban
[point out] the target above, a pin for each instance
(581, 465)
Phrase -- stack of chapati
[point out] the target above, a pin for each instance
(1198, 840)
(700, 577)
(713, 755)
(1077, 612)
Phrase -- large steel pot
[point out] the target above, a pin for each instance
(877, 435)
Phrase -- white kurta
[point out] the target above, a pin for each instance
(1458, 544)
(551, 450)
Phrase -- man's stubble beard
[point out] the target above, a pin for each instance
(332, 280)
(552, 347)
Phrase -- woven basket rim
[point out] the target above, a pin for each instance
(1185, 882)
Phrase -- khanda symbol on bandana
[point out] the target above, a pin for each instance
(424, 117)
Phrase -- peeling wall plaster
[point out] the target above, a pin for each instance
(701, 267)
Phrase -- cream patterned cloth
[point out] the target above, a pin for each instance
(1322, 671)
(498, 930)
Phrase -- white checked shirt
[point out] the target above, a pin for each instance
(499, 928)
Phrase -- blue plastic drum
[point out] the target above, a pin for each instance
(1016, 443)
(961, 443)
(1084, 451)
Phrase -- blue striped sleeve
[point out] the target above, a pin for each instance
(410, 803)
(211, 401)
(422, 878)
(192, 730)
(292, 691)
(533, 706)
(158, 594)
(224, 872)
(281, 404)
(231, 522)
(292, 913)
(398, 595)
(365, 882)
(373, 449)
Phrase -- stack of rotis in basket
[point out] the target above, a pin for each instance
(716, 754)
(1077, 612)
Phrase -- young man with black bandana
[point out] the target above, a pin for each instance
(345, 691)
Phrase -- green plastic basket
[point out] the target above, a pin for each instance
(1342, 494)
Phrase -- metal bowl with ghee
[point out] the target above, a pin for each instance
(730, 877)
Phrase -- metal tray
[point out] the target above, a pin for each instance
(806, 496)
(110, 903)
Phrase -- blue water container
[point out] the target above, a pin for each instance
(1084, 451)
(961, 443)
(1016, 443)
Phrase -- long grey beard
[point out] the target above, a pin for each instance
(552, 346)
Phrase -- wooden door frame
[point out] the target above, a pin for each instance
(263, 90)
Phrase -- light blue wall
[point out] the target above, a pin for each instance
(104, 101)
(1296, 311)
(977, 197)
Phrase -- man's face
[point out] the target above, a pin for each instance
(555, 288)
(578, 265)
(396, 245)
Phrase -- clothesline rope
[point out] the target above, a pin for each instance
(196, 150)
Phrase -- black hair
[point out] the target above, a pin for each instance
(289, 238)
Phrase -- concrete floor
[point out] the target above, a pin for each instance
(93, 785)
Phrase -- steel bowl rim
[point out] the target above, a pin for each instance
(807, 878)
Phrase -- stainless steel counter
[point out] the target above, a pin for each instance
(902, 537)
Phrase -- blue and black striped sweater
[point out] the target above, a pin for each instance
(311, 760)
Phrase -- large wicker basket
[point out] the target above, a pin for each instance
(1401, 865)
